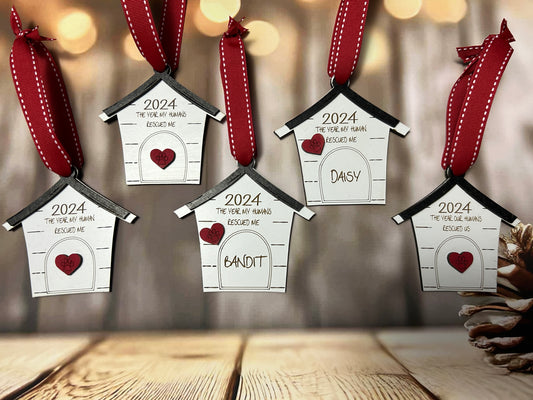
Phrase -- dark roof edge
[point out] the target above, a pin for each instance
(444, 188)
(352, 96)
(16, 219)
(81, 188)
(111, 111)
(256, 177)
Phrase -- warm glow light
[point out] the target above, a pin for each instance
(219, 10)
(130, 48)
(76, 31)
(403, 9)
(262, 38)
(445, 11)
(377, 51)
(313, 3)
(208, 27)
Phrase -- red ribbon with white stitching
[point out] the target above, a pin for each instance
(161, 49)
(44, 100)
(234, 74)
(347, 38)
(471, 99)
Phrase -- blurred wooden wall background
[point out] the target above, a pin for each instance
(351, 265)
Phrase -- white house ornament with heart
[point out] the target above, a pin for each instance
(162, 124)
(456, 226)
(69, 230)
(342, 140)
(244, 222)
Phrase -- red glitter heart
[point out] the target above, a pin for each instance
(212, 235)
(162, 158)
(68, 264)
(315, 145)
(461, 262)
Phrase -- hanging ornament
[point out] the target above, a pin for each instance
(244, 223)
(342, 140)
(161, 123)
(69, 229)
(456, 226)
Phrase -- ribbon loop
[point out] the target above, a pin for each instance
(346, 39)
(161, 49)
(44, 100)
(234, 74)
(471, 99)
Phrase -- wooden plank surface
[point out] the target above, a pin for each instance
(149, 366)
(445, 363)
(331, 365)
(25, 360)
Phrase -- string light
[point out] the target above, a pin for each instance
(377, 51)
(219, 10)
(208, 27)
(130, 48)
(445, 11)
(262, 39)
(76, 31)
(403, 9)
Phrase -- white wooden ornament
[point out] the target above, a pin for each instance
(69, 239)
(162, 127)
(244, 227)
(457, 231)
(342, 142)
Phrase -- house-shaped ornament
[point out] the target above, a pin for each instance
(162, 126)
(69, 238)
(244, 225)
(457, 231)
(342, 142)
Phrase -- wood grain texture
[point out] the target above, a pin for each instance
(25, 360)
(322, 366)
(444, 362)
(148, 366)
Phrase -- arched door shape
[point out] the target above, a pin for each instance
(82, 279)
(245, 262)
(448, 276)
(344, 176)
(176, 171)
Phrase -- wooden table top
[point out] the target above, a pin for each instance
(315, 364)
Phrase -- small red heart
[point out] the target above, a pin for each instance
(212, 235)
(315, 145)
(461, 262)
(163, 158)
(68, 264)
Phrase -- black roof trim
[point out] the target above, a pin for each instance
(111, 111)
(351, 95)
(77, 185)
(445, 187)
(252, 173)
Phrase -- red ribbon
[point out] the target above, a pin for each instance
(160, 50)
(471, 99)
(44, 100)
(234, 74)
(347, 38)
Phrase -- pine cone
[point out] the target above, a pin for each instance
(502, 323)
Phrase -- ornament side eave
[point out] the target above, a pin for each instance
(86, 191)
(111, 111)
(394, 123)
(298, 207)
(506, 216)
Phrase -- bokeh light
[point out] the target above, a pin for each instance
(130, 48)
(377, 50)
(219, 10)
(403, 9)
(262, 38)
(76, 31)
(445, 11)
(208, 27)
